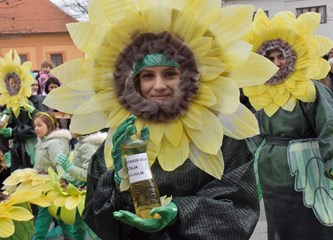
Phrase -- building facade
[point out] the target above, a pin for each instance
(271, 7)
(36, 29)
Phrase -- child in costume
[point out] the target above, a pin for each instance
(45, 74)
(296, 121)
(77, 170)
(51, 143)
(192, 117)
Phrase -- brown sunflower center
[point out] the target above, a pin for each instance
(13, 83)
(289, 56)
(128, 89)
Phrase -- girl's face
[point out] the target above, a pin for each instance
(34, 87)
(52, 86)
(41, 129)
(159, 83)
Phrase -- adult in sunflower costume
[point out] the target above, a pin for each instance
(196, 147)
(15, 88)
(296, 121)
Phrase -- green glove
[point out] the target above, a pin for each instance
(28, 107)
(6, 132)
(168, 215)
(8, 159)
(125, 129)
(64, 162)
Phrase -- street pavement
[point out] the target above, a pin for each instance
(260, 232)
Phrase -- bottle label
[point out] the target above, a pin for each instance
(138, 167)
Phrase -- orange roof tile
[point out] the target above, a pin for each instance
(32, 16)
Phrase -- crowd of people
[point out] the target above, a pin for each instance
(217, 143)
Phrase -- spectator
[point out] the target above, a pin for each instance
(51, 142)
(44, 74)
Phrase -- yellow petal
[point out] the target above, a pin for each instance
(311, 93)
(53, 210)
(193, 117)
(241, 124)
(72, 190)
(156, 132)
(228, 101)
(67, 216)
(100, 102)
(205, 96)
(324, 44)
(271, 109)
(86, 35)
(20, 214)
(236, 54)
(257, 70)
(65, 99)
(171, 157)
(162, 14)
(201, 46)
(209, 139)
(229, 26)
(211, 164)
(174, 132)
(7, 227)
(88, 123)
(60, 201)
(72, 201)
(117, 115)
(290, 105)
(211, 68)
(308, 22)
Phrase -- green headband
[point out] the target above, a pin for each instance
(154, 59)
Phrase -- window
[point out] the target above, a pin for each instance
(23, 57)
(57, 58)
(319, 9)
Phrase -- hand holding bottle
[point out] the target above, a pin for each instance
(125, 129)
(167, 214)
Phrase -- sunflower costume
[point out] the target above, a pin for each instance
(296, 121)
(213, 187)
(15, 88)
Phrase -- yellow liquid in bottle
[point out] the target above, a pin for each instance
(144, 193)
(4, 120)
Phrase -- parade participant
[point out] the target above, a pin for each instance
(296, 120)
(78, 170)
(51, 143)
(15, 91)
(196, 121)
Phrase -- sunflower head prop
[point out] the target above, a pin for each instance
(200, 39)
(302, 53)
(15, 81)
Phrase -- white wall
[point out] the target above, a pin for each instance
(274, 6)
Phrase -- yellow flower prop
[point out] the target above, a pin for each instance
(296, 35)
(26, 179)
(65, 202)
(12, 210)
(197, 32)
(15, 81)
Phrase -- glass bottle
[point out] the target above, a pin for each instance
(143, 187)
(4, 119)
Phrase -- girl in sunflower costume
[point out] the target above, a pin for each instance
(296, 121)
(196, 122)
